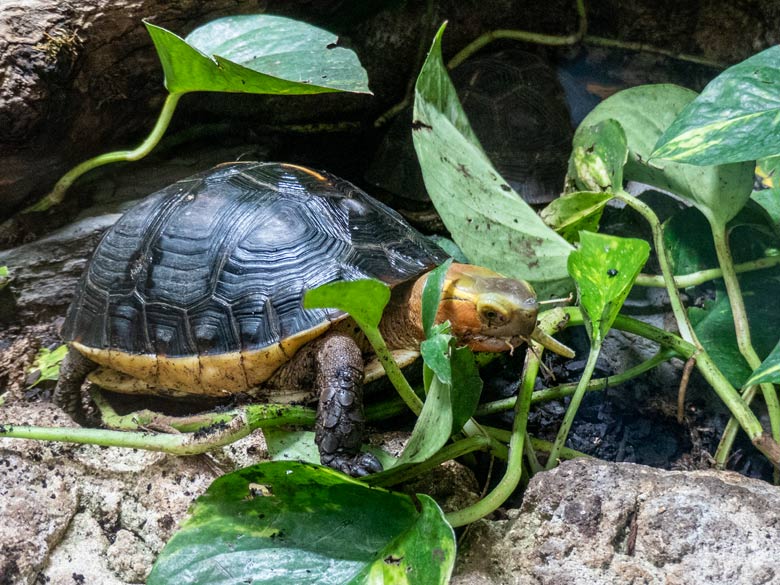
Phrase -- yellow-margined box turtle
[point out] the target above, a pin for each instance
(198, 289)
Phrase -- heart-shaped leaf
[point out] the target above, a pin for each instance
(364, 300)
(489, 221)
(734, 119)
(605, 268)
(466, 385)
(436, 351)
(283, 522)
(645, 112)
(257, 53)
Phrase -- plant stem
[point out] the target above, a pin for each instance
(473, 429)
(563, 390)
(176, 444)
(574, 405)
(57, 194)
(537, 444)
(228, 426)
(702, 276)
(531, 459)
(641, 47)
(397, 378)
(730, 432)
(454, 450)
(683, 324)
(525, 36)
(742, 329)
(514, 468)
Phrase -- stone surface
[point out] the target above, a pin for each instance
(591, 523)
(101, 515)
(88, 514)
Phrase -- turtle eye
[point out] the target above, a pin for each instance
(492, 316)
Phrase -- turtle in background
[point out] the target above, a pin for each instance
(197, 291)
(516, 107)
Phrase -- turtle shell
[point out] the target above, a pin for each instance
(218, 264)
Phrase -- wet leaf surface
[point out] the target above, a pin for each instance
(488, 221)
(282, 522)
(645, 112)
(605, 268)
(734, 119)
(257, 53)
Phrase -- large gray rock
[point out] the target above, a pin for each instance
(590, 523)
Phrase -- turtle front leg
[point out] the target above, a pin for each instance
(340, 421)
(73, 371)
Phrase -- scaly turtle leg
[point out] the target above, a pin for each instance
(73, 372)
(340, 422)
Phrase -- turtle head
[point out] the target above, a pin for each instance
(488, 312)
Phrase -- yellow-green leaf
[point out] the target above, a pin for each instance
(258, 53)
(736, 117)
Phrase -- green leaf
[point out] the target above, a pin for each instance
(257, 54)
(598, 157)
(291, 445)
(714, 324)
(450, 247)
(645, 112)
(434, 425)
(435, 352)
(688, 238)
(4, 277)
(364, 300)
(572, 213)
(47, 362)
(734, 119)
(467, 387)
(768, 371)
(770, 201)
(489, 222)
(605, 268)
(283, 522)
(431, 295)
(456, 369)
(300, 446)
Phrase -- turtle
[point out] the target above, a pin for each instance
(197, 291)
(517, 108)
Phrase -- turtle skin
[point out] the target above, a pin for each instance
(217, 265)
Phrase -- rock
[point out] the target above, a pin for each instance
(37, 505)
(45, 272)
(590, 523)
(88, 514)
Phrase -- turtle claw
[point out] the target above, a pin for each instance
(358, 465)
